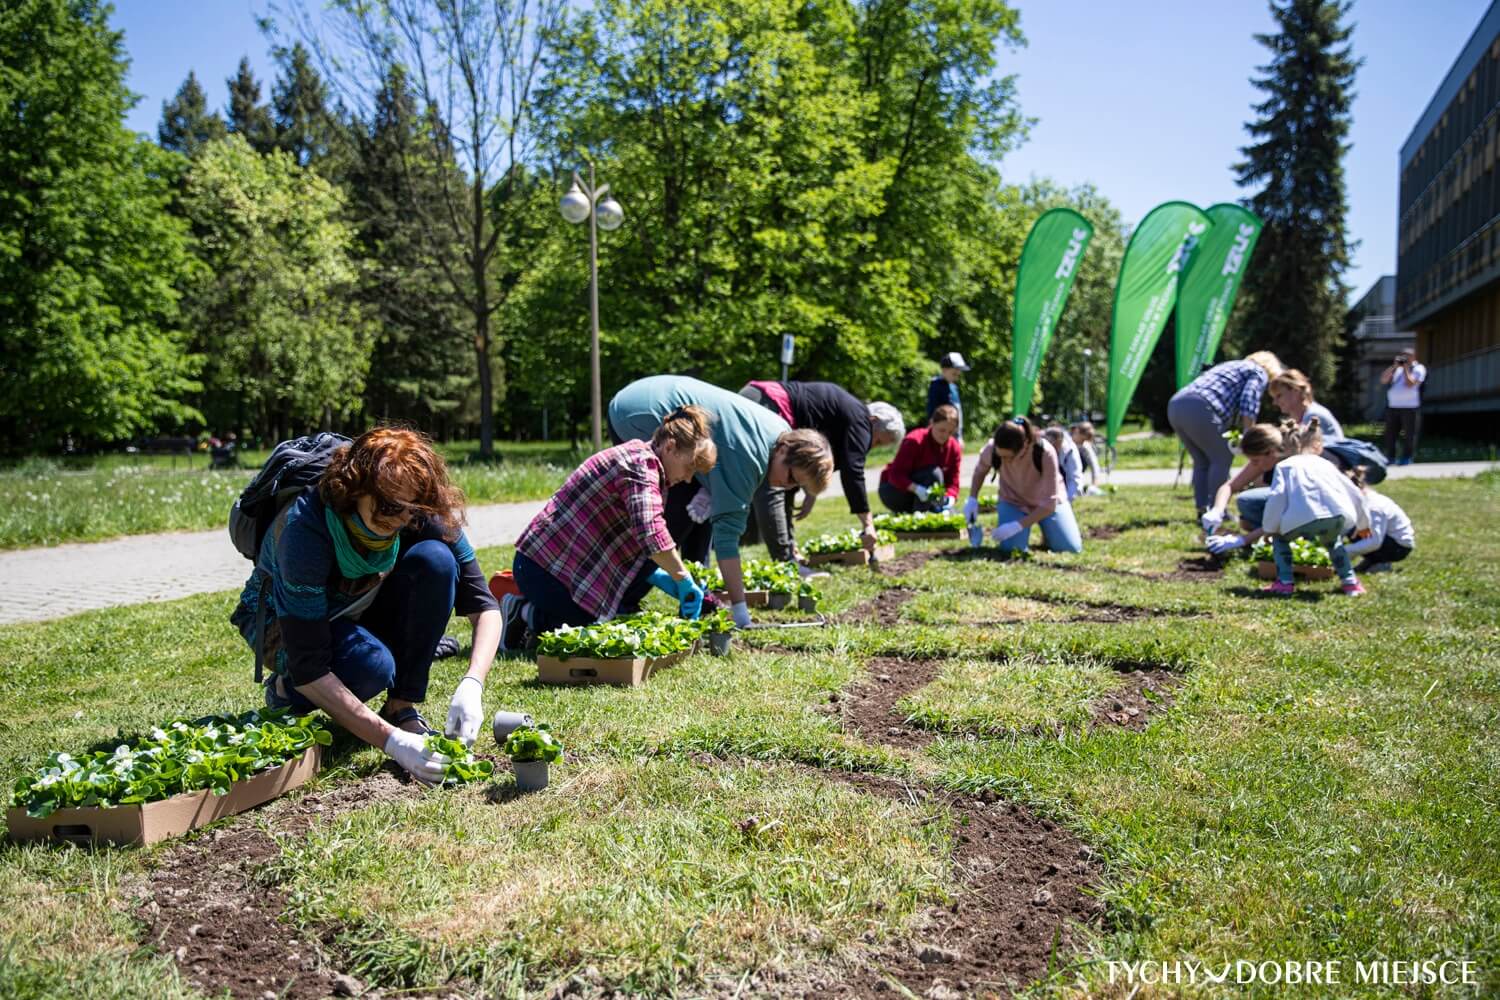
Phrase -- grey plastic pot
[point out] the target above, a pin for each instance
(508, 722)
(807, 604)
(718, 643)
(776, 601)
(531, 775)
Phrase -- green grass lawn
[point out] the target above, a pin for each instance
(1320, 784)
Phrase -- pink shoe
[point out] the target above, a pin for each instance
(1280, 589)
(1353, 589)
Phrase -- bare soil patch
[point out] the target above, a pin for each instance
(882, 609)
(1198, 569)
(208, 911)
(907, 563)
(1144, 695)
(1105, 532)
(1023, 889)
(869, 708)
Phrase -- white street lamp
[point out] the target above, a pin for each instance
(588, 202)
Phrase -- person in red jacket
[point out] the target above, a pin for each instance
(924, 473)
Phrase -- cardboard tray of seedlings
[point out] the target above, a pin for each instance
(919, 536)
(753, 598)
(856, 557)
(589, 670)
(1266, 570)
(163, 819)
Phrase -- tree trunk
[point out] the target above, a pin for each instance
(482, 328)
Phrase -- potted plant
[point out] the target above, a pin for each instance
(808, 596)
(781, 581)
(718, 626)
(532, 749)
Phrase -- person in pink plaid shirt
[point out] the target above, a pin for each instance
(601, 542)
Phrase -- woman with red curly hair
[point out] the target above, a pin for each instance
(364, 571)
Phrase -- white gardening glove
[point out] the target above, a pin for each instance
(1220, 544)
(410, 751)
(741, 612)
(921, 491)
(1211, 520)
(1006, 530)
(971, 509)
(698, 508)
(465, 711)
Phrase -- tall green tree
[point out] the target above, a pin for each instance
(1294, 288)
(419, 368)
(249, 117)
(186, 122)
(276, 309)
(90, 258)
(473, 68)
(305, 127)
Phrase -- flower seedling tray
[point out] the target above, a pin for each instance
(1266, 570)
(589, 670)
(856, 557)
(163, 819)
(917, 536)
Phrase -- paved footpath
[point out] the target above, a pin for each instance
(37, 584)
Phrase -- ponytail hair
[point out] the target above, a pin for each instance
(689, 428)
(1301, 440)
(1015, 435)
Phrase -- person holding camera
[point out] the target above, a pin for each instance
(1403, 404)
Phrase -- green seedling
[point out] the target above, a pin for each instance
(462, 766)
(846, 541)
(532, 744)
(925, 522)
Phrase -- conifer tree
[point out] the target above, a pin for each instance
(186, 122)
(299, 103)
(1294, 288)
(247, 115)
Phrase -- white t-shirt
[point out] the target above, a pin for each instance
(1387, 520)
(1402, 394)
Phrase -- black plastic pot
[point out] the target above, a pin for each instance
(718, 643)
(807, 604)
(776, 601)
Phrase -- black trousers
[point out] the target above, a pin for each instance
(1390, 551)
(904, 502)
(1398, 421)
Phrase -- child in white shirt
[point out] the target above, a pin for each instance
(1391, 537)
(1311, 498)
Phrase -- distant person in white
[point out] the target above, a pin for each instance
(1403, 404)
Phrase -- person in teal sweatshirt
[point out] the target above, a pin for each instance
(754, 444)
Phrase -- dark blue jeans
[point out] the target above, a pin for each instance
(552, 603)
(390, 648)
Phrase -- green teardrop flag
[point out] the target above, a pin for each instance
(1144, 297)
(1210, 284)
(1049, 263)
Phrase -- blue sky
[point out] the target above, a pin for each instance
(1147, 101)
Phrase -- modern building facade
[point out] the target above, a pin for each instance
(1374, 341)
(1448, 250)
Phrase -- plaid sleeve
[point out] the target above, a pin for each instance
(1251, 393)
(642, 486)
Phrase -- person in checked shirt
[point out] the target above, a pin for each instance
(601, 542)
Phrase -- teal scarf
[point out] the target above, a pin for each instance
(353, 565)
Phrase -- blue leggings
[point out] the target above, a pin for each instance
(391, 647)
(1059, 528)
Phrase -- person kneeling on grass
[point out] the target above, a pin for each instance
(1311, 498)
(1068, 462)
(1263, 446)
(1391, 537)
(924, 474)
(361, 574)
(1031, 490)
(602, 542)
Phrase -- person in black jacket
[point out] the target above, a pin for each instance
(852, 429)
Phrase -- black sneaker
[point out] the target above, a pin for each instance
(513, 627)
(446, 646)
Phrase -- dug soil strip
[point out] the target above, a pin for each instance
(882, 609)
(1023, 883)
(1105, 532)
(907, 563)
(869, 709)
(1129, 707)
(208, 912)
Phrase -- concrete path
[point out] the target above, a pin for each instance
(37, 584)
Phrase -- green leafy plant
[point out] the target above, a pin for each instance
(212, 752)
(846, 541)
(718, 622)
(531, 744)
(462, 766)
(1305, 552)
(920, 522)
(649, 633)
(707, 577)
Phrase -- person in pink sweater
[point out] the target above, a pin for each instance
(1031, 490)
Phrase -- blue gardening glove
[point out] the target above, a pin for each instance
(689, 598)
(662, 581)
